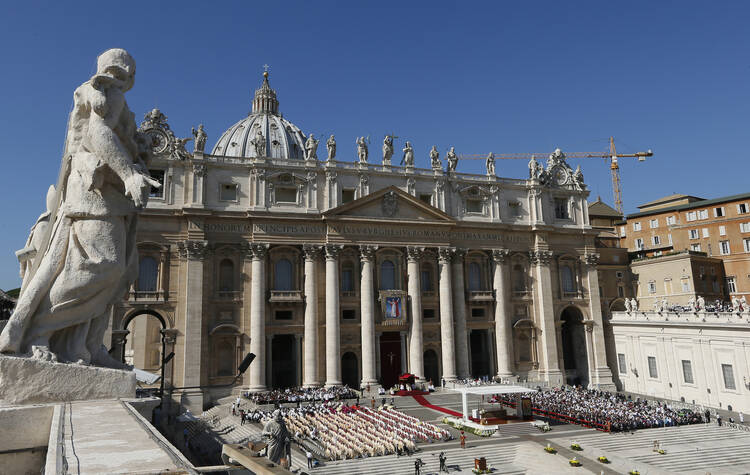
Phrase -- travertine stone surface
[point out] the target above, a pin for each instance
(30, 381)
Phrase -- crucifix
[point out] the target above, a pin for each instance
(266, 68)
(391, 355)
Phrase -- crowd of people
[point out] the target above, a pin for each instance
(300, 394)
(610, 411)
(344, 431)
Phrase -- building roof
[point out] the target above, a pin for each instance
(664, 201)
(600, 208)
(692, 205)
(283, 139)
(8, 296)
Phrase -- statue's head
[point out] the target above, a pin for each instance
(118, 66)
(277, 416)
(51, 194)
(200, 126)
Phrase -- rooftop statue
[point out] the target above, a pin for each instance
(387, 149)
(362, 150)
(179, 152)
(490, 164)
(535, 168)
(311, 148)
(408, 159)
(277, 435)
(435, 159)
(259, 143)
(91, 257)
(578, 178)
(200, 139)
(331, 146)
(452, 159)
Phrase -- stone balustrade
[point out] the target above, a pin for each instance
(686, 317)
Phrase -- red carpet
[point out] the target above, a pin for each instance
(411, 393)
(422, 401)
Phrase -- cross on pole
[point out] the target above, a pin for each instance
(266, 68)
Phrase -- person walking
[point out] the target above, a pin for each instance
(463, 440)
(708, 416)
(309, 456)
(742, 418)
(718, 419)
(418, 467)
(442, 462)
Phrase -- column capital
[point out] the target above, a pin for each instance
(500, 255)
(199, 169)
(312, 251)
(459, 253)
(367, 252)
(257, 250)
(414, 253)
(540, 257)
(193, 249)
(333, 251)
(445, 254)
(591, 259)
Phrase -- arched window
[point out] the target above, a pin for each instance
(347, 277)
(568, 281)
(147, 274)
(519, 278)
(475, 277)
(387, 275)
(426, 278)
(282, 277)
(226, 275)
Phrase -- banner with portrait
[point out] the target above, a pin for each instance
(393, 306)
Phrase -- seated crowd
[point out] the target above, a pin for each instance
(613, 412)
(301, 395)
(346, 432)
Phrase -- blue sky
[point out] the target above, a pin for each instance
(481, 76)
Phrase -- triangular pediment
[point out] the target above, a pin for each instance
(390, 203)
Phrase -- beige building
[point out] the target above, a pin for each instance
(348, 271)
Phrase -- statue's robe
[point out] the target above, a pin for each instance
(278, 437)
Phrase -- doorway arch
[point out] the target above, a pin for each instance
(152, 354)
(350, 370)
(431, 367)
(575, 359)
(283, 361)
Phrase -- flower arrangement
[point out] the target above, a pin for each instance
(480, 472)
(574, 462)
(634, 472)
(550, 450)
(661, 452)
(575, 446)
(603, 459)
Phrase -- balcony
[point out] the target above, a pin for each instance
(481, 296)
(144, 296)
(293, 296)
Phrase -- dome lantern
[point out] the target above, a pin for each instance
(265, 101)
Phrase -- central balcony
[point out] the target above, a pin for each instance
(286, 296)
(481, 296)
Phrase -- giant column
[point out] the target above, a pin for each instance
(540, 260)
(312, 255)
(416, 360)
(194, 252)
(258, 316)
(333, 343)
(367, 295)
(601, 374)
(459, 309)
(503, 340)
(446, 314)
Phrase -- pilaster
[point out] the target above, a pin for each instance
(540, 260)
(600, 374)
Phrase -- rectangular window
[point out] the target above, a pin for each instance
(347, 196)
(228, 192)
(671, 220)
(426, 198)
(687, 371)
(621, 363)
(474, 206)
(652, 287)
(157, 175)
(349, 314)
(620, 291)
(477, 312)
(652, 372)
(694, 234)
(703, 214)
(561, 208)
(719, 212)
(745, 227)
(347, 279)
(724, 248)
(705, 232)
(722, 230)
(426, 281)
(731, 285)
(685, 286)
(286, 195)
(669, 239)
(283, 314)
(742, 208)
(622, 231)
(637, 226)
(639, 243)
(654, 223)
(695, 247)
(728, 373)
(746, 243)
(428, 313)
(691, 216)
(619, 274)
(655, 240)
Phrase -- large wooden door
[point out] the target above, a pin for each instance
(390, 358)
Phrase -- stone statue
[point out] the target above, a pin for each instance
(490, 164)
(362, 151)
(311, 148)
(179, 152)
(556, 157)
(535, 168)
(91, 257)
(452, 159)
(634, 304)
(691, 303)
(700, 304)
(628, 307)
(735, 304)
(387, 149)
(277, 437)
(200, 139)
(578, 178)
(408, 159)
(331, 146)
(36, 237)
(435, 159)
(259, 143)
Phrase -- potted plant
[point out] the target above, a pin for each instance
(603, 459)
(550, 450)
(661, 452)
(634, 472)
(574, 462)
(576, 446)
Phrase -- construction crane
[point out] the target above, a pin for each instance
(612, 156)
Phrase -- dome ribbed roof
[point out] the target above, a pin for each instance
(283, 139)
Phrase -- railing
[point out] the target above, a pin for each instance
(349, 294)
(146, 295)
(683, 317)
(735, 426)
(286, 296)
(562, 417)
(481, 296)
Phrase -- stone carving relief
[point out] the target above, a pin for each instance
(541, 257)
(411, 185)
(389, 205)
(192, 249)
(367, 252)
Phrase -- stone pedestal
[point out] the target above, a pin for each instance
(29, 381)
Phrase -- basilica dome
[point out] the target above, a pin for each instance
(264, 132)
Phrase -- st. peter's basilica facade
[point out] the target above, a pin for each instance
(348, 271)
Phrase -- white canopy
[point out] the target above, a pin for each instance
(488, 389)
